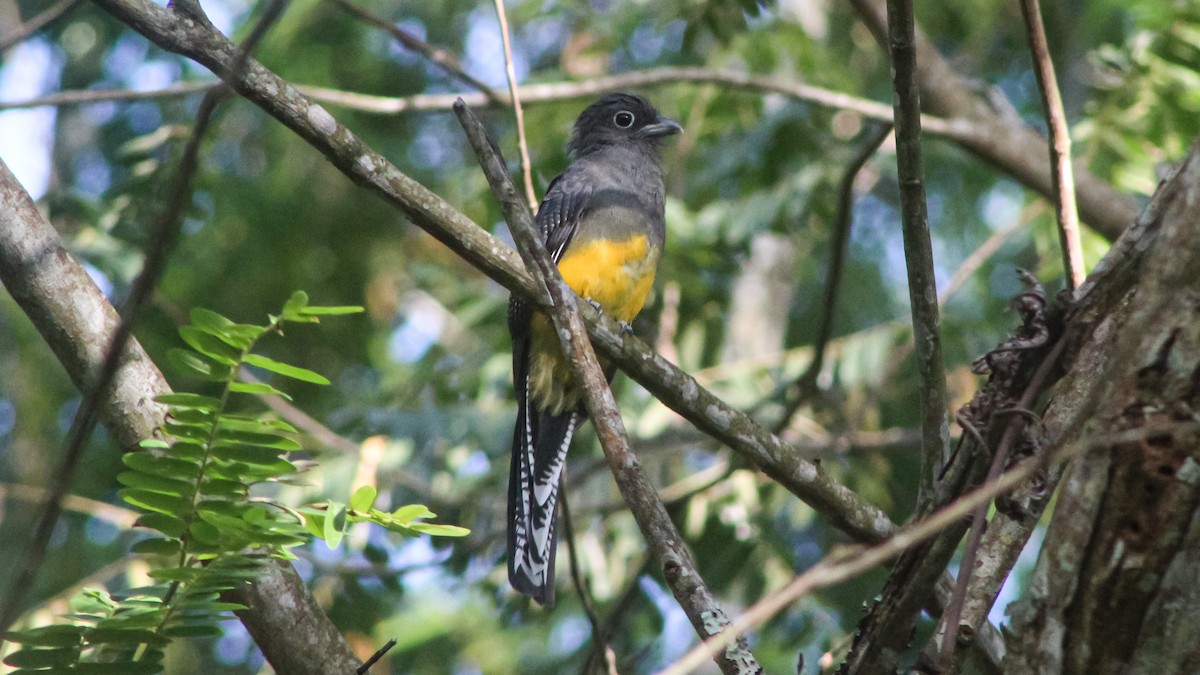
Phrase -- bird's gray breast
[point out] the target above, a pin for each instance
(626, 198)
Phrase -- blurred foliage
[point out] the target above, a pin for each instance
(420, 381)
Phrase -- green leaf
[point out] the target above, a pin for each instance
(406, 514)
(247, 454)
(294, 305)
(257, 388)
(187, 450)
(128, 637)
(168, 525)
(196, 433)
(315, 310)
(287, 370)
(197, 365)
(219, 487)
(185, 575)
(154, 501)
(314, 522)
(209, 345)
(193, 631)
(188, 400)
(172, 467)
(153, 443)
(157, 547)
(238, 335)
(211, 606)
(440, 530)
(195, 416)
(256, 439)
(142, 667)
(333, 534)
(59, 635)
(363, 498)
(43, 658)
(169, 486)
(205, 532)
(254, 424)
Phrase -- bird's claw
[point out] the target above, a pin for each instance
(627, 327)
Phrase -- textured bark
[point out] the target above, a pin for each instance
(1114, 589)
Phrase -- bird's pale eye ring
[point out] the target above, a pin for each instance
(623, 119)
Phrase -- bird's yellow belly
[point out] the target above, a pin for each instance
(616, 275)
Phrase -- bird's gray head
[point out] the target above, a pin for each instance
(616, 119)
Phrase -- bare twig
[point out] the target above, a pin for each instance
(550, 92)
(851, 561)
(679, 569)
(522, 143)
(379, 653)
(918, 250)
(447, 60)
(581, 587)
(35, 24)
(1060, 146)
(954, 608)
(803, 387)
(986, 250)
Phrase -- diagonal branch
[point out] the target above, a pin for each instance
(1060, 146)
(518, 111)
(679, 569)
(918, 249)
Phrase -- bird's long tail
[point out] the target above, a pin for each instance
(540, 442)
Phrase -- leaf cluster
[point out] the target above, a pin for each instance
(193, 486)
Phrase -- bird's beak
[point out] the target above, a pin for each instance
(664, 126)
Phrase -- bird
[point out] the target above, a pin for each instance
(603, 222)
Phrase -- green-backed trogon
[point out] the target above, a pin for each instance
(602, 222)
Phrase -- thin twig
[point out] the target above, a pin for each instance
(851, 561)
(970, 551)
(447, 60)
(522, 143)
(986, 250)
(652, 518)
(918, 250)
(1065, 211)
(805, 385)
(581, 588)
(166, 232)
(35, 24)
(366, 666)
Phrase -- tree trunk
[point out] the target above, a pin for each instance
(1115, 587)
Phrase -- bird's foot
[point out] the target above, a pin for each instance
(628, 328)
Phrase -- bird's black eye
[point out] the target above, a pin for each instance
(623, 119)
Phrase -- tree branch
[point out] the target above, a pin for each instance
(1063, 178)
(918, 249)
